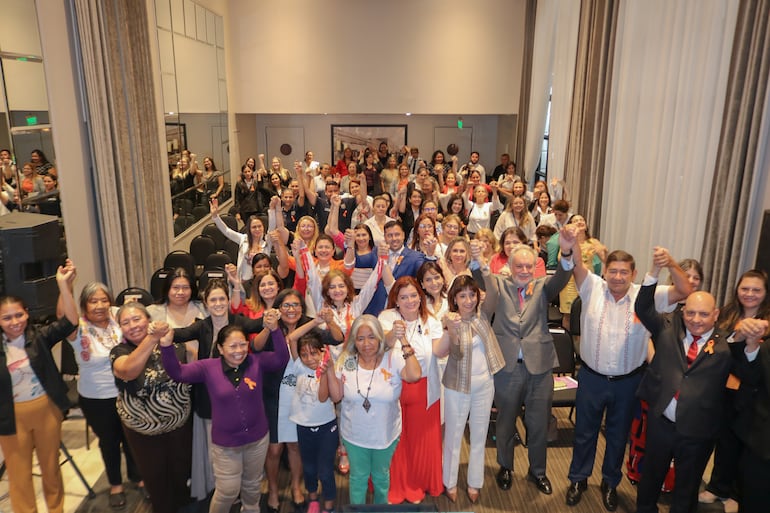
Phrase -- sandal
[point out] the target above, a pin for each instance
(344, 464)
(117, 500)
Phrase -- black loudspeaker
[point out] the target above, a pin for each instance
(389, 508)
(30, 253)
(763, 250)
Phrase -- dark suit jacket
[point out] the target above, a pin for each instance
(752, 422)
(410, 262)
(526, 328)
(701, 387)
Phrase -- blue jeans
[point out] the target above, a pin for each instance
(318, 448)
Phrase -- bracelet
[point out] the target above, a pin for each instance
(406, 354)
(566, 255)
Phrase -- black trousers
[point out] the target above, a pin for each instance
(164, 462)
(103, 419)
(756, 476)
(690, 456)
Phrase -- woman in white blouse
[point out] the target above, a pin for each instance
(480, 210)
(367, 381)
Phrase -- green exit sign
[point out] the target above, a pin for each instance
(31, 120)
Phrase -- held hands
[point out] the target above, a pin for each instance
(270, 319)
(335, 200)
(324, 316)
(275, 202)
(350, 238)
(274, 237)
(752, 330)
(158, 329)
(477, 251)
(567, 238)
(214, 207)
(660, 258)
(383, 250)
(429, 245)
(399, 330)
(452, 321)
(168, 338)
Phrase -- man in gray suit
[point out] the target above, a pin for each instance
(520, 307)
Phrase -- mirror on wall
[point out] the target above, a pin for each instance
(27, 158)
(192, 64)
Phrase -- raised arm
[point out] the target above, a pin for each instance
(333, 221)
(188, 373)
(682, 287)
(65, 276)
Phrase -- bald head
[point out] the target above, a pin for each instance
(700, 313)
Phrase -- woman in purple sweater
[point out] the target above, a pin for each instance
(239, 430)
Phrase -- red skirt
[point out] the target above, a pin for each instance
(416, 465)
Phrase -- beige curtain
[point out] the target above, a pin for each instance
(739, 143)
(128, 165)
(526, 87)
(584, 165)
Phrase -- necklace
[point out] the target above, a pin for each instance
(366, 404)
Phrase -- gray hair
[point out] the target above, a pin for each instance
(92, 288)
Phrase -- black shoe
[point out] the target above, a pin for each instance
(117, 500)
(609, 496)
(575, 492)
(543, 483)
(505, 478)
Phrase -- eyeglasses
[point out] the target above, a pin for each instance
(291, 306)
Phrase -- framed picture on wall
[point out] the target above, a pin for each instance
(360, 137)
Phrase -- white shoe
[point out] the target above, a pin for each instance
(706, 497)
(731, 506)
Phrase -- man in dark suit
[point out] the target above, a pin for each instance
(753, 411)
(401, 260)
(520, 307)
(684, 386)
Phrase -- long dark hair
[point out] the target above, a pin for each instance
(179, 272)
(733, 311)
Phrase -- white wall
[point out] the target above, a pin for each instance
(351, 56)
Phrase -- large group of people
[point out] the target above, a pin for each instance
(414, 294)
(31, 187)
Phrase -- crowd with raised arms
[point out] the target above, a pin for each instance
(413, 294)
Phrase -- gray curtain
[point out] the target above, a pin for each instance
(737, 152)
(133, 210)
(587, 143)
(526, 87)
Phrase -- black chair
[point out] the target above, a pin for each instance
(564, 396)
(199, 212)
(230, 221)
(210, 274)
(218, 237)
(181, 223)
(201, 247)
(157, 281)
(183, 206)
(134, 294)
(217, 260)
(181, 259)
(232, 248)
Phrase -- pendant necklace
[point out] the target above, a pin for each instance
(366, 404)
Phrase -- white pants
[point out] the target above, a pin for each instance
(473, 408)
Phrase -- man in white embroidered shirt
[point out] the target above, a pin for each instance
(613, 349)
